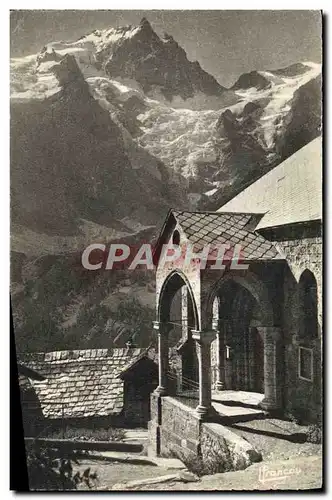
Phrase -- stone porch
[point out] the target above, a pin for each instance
(229, 406)
(237, 406)
(176, 429)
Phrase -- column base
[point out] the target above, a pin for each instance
(205, 412)
(220, 386)
(160, 391)
(269, 405)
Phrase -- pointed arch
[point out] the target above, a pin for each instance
(173, 282)
(250, 282)
(308, 305)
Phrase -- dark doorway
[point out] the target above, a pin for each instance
(189, 364)
(244, 366)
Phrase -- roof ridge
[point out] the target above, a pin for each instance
(217, 213)
(75, 354)
(288, 193)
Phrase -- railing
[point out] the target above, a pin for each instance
(187, 392)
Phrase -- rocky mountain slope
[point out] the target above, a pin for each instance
(108, 132)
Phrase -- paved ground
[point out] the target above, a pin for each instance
(288, 462)
(242, 397)
(137, 459)
(111, 473)
(301, 473)
(274, 438)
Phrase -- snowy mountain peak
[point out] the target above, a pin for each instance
(252, 79)
(170, 112)
(157, 64)
(265, 79)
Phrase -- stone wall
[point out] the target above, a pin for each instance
(302, 254)
(302, 397)
(176, 430)
(173, 428)
(223, 450)
(190, 273)
(179, 430)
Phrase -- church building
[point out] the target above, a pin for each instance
(254, 327)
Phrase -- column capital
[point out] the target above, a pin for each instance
(270, 333)
(204, 337)
(161, 327)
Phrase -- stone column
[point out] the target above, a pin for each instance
(219, 328)
(251, 359)
(272, 389)
(184, 312)
(246, 359)
(227, 355)
(162, 330)
(203, 342)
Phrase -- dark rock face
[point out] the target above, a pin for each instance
(305, 119)
(152, 61)
(238, 142)
(46, 56)
(242, 153)
(131, 108)
(252, 79)
(292, 70)
(73, 159)
(68, 161)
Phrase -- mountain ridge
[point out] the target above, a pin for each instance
(105, 137)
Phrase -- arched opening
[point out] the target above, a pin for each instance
(309, 347)
(176, 238)
(240, 306)
(245, 350)
(308, 306)
(177, 309)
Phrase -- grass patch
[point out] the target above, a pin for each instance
(86, 434)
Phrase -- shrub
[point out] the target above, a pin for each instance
(49, 472)
(314, 433)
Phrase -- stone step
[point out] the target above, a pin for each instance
(183, 476)
(233, 414)
(130, 458)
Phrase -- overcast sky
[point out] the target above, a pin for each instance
(226, 43)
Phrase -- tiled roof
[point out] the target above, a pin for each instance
(24, 383)
(81, 383)
(203, 228)
(28, 372)
(291, 192)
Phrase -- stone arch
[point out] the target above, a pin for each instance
(298, 271)
(247, 336)
(172, 283)
(182, 360)
(250, 282)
